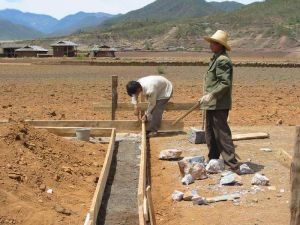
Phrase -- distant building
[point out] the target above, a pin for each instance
(30, 51)
(9, 50)
(102, 51)
(64, 48)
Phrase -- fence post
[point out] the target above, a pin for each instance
(114, 96)
(295, 181)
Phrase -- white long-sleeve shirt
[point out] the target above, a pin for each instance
(154, 88)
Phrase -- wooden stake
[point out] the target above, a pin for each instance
(295, 182)
(114, 96)
(150, 206)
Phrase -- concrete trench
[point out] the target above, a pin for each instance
(119, 204)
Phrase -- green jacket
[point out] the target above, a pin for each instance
(218, 82)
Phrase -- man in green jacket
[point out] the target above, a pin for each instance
(217, 101)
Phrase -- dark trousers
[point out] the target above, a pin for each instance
(218, 137)
(157, 112)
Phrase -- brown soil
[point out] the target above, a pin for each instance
(34, 161)
(263, 207)
(261, 96)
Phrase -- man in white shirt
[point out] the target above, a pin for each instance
(157, 91)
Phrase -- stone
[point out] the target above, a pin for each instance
(187, 179)
(188, 195)
(266, 149)
(14, 176)
(231, 179)
(198, 200)
(196, 136)
(245, 169)
(170, 154)
(215, 166)
(42, 187)
(177, 195)
(227, 197)
(186, 163)
(198, 171)
(50, 191)
(62, 210)
(259, 179)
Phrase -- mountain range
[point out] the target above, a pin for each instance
(39, 25)
(166, 24)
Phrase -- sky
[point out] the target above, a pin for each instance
(62, 8)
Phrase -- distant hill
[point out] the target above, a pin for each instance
(227, 6)
(80, 20)
(10, 31)
(42, 23)
(268, 24)
(166, 10)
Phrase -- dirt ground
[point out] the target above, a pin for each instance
(34, 161)
(261, 207)
(261, 97)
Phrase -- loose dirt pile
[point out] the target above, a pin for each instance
(45, 179)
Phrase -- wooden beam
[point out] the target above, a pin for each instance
(120, 125)
(142, 177)
(98, 194)
(71, 131)
(114, 96)
(249, 136)
(295, 182)
(122, 106)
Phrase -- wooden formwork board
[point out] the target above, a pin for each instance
(120, 125)
(249, 136)
(124, 106)
(71, 131)
(98, 194)
(142, 177)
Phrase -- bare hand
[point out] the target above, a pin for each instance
(206, 98)
(144, 118)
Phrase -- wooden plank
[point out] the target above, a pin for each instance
(249, 136)
(142, 177)
(122, 106)
(114, 96)
(295, 182)
(71, 131)
(150, 206)
(98, 194)
(120, 125)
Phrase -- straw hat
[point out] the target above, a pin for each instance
(220, 37)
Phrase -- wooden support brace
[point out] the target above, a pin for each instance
(122, 106)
